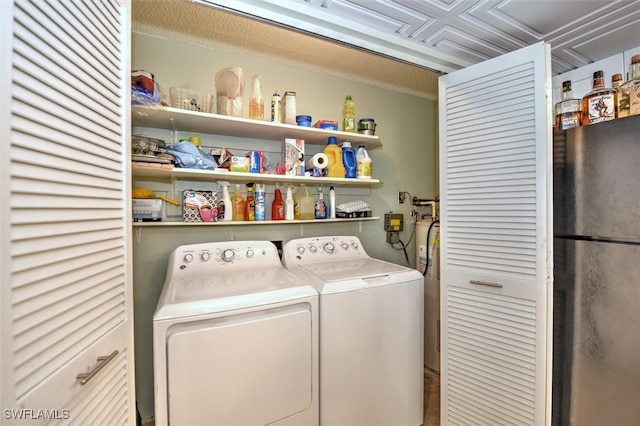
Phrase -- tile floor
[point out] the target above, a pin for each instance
(431, 398)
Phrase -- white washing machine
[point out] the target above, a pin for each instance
(371, 332)
(235, 339)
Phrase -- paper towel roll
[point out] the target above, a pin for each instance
(318, 161)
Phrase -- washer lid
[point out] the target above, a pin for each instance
(348, 269)
(212, 293)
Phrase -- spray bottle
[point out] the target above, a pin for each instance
(288, 205)
(225, 208)
(277, 207)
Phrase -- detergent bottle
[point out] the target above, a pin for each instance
(237, 205)
(349, 160)
(250, 204)
(306, 203)
(225, 208)
(365, 165)
(277, 207)
(335, 168)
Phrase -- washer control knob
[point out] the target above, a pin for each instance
(329, 247)
(300, 250)
(344, 246)
(188, 258)
(313, 249)
(354, 245)
(205, 256)
(250, 254)
(227, 255)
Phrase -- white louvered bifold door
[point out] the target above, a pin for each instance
(65, 212)
(495, 162)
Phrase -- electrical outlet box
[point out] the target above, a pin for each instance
(393, 237)
(393, 222)
(401, 196)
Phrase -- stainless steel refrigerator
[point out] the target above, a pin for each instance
(596, 359)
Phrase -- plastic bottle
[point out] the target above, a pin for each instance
(335, 168)
(332, 203)
(365, 165)
(256, 104)
(349, 160)
(288, 205)
(296, 203)
(225, 208)
(349, 115)
(306, 203)
(250, 204)
(320, 207)
(276, 108)
(277, 206)
(237, 205)
(261, 203)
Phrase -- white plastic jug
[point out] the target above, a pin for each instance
(229, 91)
(365, 164)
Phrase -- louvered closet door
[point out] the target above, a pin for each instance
(495, 144)
(65, 213)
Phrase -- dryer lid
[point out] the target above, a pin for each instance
(349, 269)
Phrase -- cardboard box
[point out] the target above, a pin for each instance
(293, 156)
(240, 164)
(289, 108)
(146, 210)
(199, 206)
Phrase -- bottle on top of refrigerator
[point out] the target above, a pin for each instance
(237, 205)
(332, 203)
(365, 165)
(335, 168)
(567, 111)
(349, 114)
(349, 160)
(225, 208)
(629, 93)
(256, 104)
(288, 205)
(276, 108)
(250, 204)
(260, 197)
(600, 104)
(320, 207)
(277, 206)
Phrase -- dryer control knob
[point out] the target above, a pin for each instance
(188, 258)
(300, 250)
(344, 246)
(205, 256)
(329, 247)
(227, 255)
(250, 253)
(313, 249)
(354, 245)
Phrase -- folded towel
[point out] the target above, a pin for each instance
(189, 156)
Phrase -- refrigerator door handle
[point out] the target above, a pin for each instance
(485, 283)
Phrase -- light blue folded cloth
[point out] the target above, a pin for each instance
(189, 156)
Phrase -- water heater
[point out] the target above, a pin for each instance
(428, 257)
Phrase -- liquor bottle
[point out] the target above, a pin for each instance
(629, 92)
(567, 111)
(600, 104)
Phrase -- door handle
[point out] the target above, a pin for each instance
(485, 283)
(102, 361)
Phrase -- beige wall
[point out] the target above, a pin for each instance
(407, 162)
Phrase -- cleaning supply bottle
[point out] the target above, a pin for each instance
(225, 208)
(277, 206)
(250, 204)
(288, 205)
(332, 203)
(320, 207)
(349, 115)
(276, 108)
(306, 203)
(349, 160)
(365, 165)
(335, 168)
(237, 205)
(256, 104)
(261, 203)
(296, 203)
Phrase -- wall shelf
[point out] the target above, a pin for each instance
(252, 223)
(198, 122)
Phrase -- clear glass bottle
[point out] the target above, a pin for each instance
(568, 110)
(600, 104)
(630, 91)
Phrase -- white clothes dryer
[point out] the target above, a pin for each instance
(235, 339)
(371, 332)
